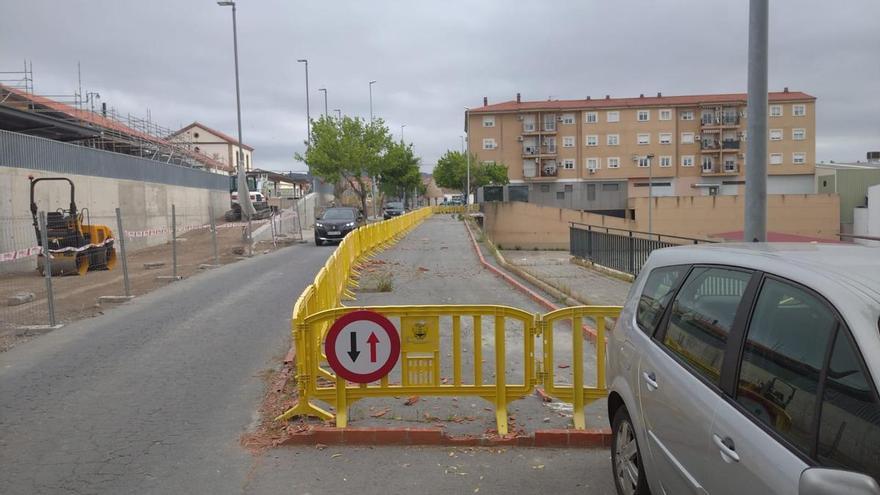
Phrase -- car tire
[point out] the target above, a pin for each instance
(318, 242)
(626, 457)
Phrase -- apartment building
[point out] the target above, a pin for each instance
(594, 154)
(215, 144)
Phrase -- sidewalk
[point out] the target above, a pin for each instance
(556, 269)
(436, 264)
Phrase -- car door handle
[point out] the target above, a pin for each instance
(727, 448)
(650, 380)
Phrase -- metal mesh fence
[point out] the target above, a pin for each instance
(23, 300)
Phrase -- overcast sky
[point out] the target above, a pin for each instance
(174, 57)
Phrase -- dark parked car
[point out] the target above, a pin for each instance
(394, 209)
(335, 223)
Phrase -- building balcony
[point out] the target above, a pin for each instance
(730, 144)
(532, 130)
(710, 145)
(719, 120)
(720, 169)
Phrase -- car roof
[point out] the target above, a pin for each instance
(812, 264)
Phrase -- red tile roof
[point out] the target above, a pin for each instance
(513, 106)
(225, 137)
(103, 122)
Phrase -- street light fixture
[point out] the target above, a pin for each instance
(325, 100)
(308, 116)
(371, 100)
(244, 197)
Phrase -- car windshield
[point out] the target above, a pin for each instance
(338, 214)
(395, 206)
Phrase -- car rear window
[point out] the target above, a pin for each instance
(656, 295)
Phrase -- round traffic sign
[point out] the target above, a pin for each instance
(362, 346)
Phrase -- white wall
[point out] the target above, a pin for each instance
(791, 184)
(866, 221)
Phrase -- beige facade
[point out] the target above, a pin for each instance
(214, 144)
(698, 142)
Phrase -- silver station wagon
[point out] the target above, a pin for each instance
(748, 369)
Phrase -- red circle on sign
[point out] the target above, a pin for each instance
(344, 321)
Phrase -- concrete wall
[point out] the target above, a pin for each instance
(813, 215)
(866, 220)
(529, 226)
(144, 205)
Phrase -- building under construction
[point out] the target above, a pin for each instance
(67, 118)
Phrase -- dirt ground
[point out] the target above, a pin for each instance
(76, 297)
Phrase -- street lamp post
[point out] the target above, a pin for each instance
(244, 197)
(650, 194)
(401, 132)
(467, 193)
(325, 100)
(308, 115)
(371, 100)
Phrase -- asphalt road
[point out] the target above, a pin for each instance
(152, 396)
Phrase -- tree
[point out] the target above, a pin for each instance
(451, 172)
(400, 170)
(348, 150)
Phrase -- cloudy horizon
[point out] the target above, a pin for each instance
(173, 59)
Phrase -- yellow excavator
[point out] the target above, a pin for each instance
(75, 247)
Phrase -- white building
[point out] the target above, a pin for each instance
(214, 144)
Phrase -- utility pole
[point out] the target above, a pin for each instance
(373, 181)
(371, 100)
(467, 131)
(650, 194)
(308, 115)
(755, 225)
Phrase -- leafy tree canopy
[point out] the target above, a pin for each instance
(451, 172)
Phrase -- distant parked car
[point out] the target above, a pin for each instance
(393, 209)
(336, 223)
(748, 368)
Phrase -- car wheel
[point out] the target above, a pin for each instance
(626, 458)
(318, 242)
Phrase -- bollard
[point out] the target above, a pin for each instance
(121, 238)
(214, 234)
(174, 242)
(47, 268)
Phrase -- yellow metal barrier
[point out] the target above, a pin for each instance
(474, 329)
(456, 208)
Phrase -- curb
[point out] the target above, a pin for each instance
(327, 435)
(589, 331)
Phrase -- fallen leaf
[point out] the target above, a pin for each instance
(563, 366)
(320, 446)
(379, 414)
(412, 400)
(334, 456)
(539, 466)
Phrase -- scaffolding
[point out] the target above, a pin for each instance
(121, 133)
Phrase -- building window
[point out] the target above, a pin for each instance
(568, 118)
(591, 117)
(665, 138)
(687, 160)
(569, 188)
(643, 115)
(560, 194)
(665, 161)
(776, 110)
(644, 162)
(528, 123)
(568, 164)
(775, 134)
(545, 187)
(568, 141)
(489, 144)
(799, 158)
(687, 115)
(798, 110)
(613, 162)
(644, 139)
(550, 122)
(489, 121)
(610, 187)
(591, 192)
(666, 114)
(592, 163)
(592, 140)
(775, 158)
(612, 139)
(687, 138)
(612, 116)
(798, 134)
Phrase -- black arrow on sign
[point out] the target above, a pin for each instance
(354, 352)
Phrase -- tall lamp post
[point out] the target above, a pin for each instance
(650, 156)
(371, 100)
(325, 100)
(467, 131)
(244, 197)
(308, 115)
(401, 132)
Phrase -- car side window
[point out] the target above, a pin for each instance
(849, 429)
(702, 316)
(658, 290)
(783, 356)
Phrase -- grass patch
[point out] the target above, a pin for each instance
(384, 283)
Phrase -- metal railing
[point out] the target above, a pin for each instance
(619, 249)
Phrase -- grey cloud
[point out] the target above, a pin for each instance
(433, 58)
